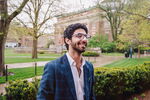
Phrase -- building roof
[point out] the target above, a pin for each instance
(76, 12)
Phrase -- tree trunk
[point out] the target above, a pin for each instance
(2, 58)
(34, 49)
(5, 20)
(3, 36)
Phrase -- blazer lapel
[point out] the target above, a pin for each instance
(86, 76)
(69, 77)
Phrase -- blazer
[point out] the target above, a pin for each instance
(57, 82)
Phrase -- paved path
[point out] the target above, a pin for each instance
(30, 57)
(97, 62)
(30, 64)
(103, 60)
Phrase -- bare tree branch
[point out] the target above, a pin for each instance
(43, 22)
(17, 11)
(21, 22)
(29, 12)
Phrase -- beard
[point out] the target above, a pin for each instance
(79, 46)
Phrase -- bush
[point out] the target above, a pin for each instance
(147, 63)
(64, 51)
(21, 90)
(41, 52)
(108, 47)
(2, 97)
(113, 83)
(90, 54)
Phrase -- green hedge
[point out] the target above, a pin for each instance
(118, 83)
(22, 90)
(110, 84)
(90, 54)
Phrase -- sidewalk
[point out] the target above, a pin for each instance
(30, 64)
(97, 62)
(103, 60)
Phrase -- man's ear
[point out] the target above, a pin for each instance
(68, 41)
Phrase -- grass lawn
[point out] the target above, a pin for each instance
(24, 60)
(13, 57)
(22, 73)
(128, 62)
(10, 52)
(113, 54)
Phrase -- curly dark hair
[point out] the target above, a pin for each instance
(70, 30)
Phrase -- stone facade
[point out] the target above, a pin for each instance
(92, 18)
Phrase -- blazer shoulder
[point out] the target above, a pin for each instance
(53, 64)
(90, 65)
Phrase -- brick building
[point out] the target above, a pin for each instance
(92, 18)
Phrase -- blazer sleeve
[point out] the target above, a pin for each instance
(47, 85)
(92, 95)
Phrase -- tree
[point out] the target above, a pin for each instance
(39, 12)
(5, 19)
(136, 32)
(97, 41)
(134, 5)
(101, 41)
(113, 9)
(17, 31)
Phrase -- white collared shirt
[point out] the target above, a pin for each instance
(78, 80)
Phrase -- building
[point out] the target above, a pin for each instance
(27, 41)
(93, 18)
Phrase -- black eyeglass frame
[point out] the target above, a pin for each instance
(82, 35)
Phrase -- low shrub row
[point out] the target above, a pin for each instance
(110, 84)
(120, 83)
(90, 54)
(22, 90)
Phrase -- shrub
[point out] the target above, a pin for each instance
(90, 54)
(97, 40)
(147, 63)
(108, 47)
(64, 51)
(21, 90)
(121, 82)
(41, 52)
(2, 97)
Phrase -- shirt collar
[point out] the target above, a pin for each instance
(72, 62)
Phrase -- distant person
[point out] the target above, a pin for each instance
(126, 54)
(69, 77)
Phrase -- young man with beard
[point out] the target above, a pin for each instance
(69, 77)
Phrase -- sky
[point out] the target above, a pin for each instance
(70, 5)
(74, 5)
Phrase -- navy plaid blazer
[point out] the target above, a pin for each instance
(57, 82)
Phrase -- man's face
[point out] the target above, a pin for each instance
(79, 41)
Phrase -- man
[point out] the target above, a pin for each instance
(70, 77)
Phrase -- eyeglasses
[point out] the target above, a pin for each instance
(81, 36)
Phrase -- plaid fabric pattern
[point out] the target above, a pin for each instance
(57, 81)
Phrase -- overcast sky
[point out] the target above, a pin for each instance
(70, 5)
(74, 5)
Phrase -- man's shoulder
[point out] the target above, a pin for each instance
(55, 62)
(89, 65)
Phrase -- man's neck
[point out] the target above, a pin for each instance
(75, 56)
